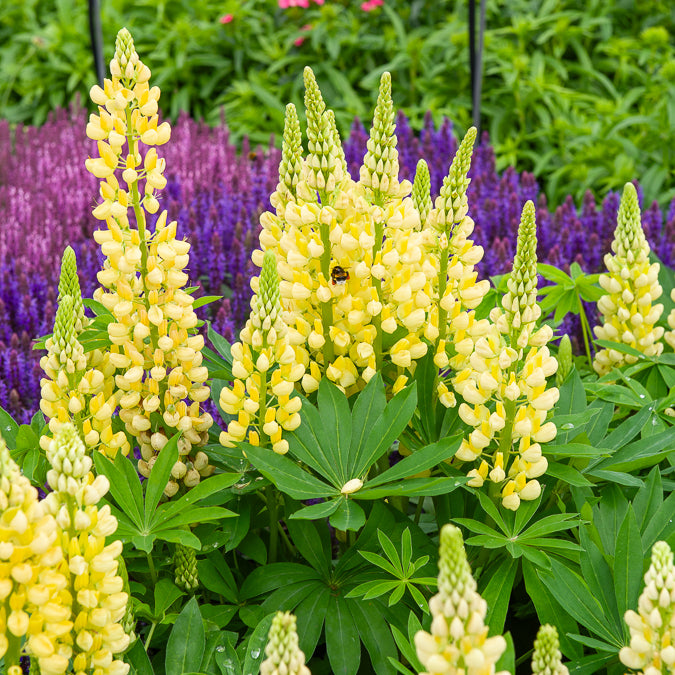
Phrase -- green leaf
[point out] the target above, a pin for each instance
(348, 516)
(386, 429)
(627, 430)
(316, 511)
(661, 524)
(640, 454)
(413, 487)
(185, 647)
(121, 490)
(159, 477)
(311, 614)
(138, 659)
(8, 429)
(375, 634)
(570, 590)
(272, 576)
(315, 550)
(368, 407)
(648, 499)
(418, 461)
(497, 593)
(255, 648)
(342, 638)
(286, 474)
(568, 474)
(228, 660)
(337, 420)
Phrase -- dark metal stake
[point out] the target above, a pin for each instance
(96, 35)
(476, 59)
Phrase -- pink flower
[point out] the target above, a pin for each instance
(298, 41)
(227, 18)
(285, 4)
(370, 5)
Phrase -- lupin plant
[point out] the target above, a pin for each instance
(266, 368)
(458, 642)
(284, 656)
(629, 312)
(421, 191)
(78, 385)
(652, 627)
(349, 253)
(502, 365)
(546, 658)
(670, 335)
(31, 588)
(160, 377)
(93, 597)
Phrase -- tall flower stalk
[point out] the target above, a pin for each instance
(502, 365)
(629, 312)
(160, 378)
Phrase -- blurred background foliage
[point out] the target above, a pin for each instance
(582, 93)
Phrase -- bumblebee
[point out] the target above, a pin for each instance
(339, 275)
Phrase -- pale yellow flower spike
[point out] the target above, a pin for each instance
(155, 349)
(670, 335)
(546, 658)
(262, 403)
(284, 657)
(629, 314)
(458, 643)
(350, 257)
(505, 360)
(30, 587)
(98, 603)
(652, 627)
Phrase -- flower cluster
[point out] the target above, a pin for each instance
(31, 589)
(628, 310)
(284, 657)
(546, 658)
(458, 642)
(652, 627)
(78, 385)
(670, 335)
(93, 602)
(160, 374)
(266, 367)
(351, 255)
(502, 365)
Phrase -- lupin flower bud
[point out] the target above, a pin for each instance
(78, 386)
(69, 284)
(379, 171)
(324, 166)
(284, 656)
(29, 552)
(565, 361)
(502, 365)
(421, 191)
(458, 641)
(261, 395)
(290, 168)
(547, 659)
(96, 600)
(186, 576)
(652, 627)
(160, 378)
(628, 310)
(521, 310)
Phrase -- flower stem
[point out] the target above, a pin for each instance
(377, 283)
(151, 568)
(326, 307)
(271, 499)
(585, 330)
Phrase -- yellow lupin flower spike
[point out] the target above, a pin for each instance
(546, 658)
(349, 254)
(670, 335)
(458, 642)
(284, 656)
(29, 585)
(97, 602)
(78, 384)
(261, 395)
(160, 378)
(652, 627)
(502, 365)
(628, 310)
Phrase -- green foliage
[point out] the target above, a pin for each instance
(582, 95)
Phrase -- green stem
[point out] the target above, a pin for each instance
(262, 410)
(13, 653)
(151, 632)
(585, 330)
(506, 434)
(151, 568)
(326, 307)
(419, 509)
(377, 283)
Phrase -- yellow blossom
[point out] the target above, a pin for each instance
(160, 379)
(628, 309)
